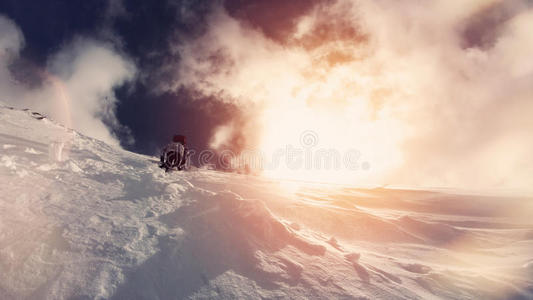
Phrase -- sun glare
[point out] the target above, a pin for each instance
(335, 139)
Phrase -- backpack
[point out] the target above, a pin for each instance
(174, 157)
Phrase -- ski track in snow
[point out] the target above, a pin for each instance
(81, 219)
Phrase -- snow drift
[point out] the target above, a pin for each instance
(82, 219)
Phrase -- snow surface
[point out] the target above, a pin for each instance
(80, 219)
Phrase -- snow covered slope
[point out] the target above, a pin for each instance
(81, 220)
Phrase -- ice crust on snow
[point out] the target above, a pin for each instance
(82, 219)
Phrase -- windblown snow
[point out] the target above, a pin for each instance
(80, 219)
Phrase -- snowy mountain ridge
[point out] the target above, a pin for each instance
(80, 219)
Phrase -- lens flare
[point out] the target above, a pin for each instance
(62, 107)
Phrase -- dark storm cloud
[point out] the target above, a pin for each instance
(275, 18)
(483, 28)
(48, 24)
(149, 28)
(150, 31)
(154, 119)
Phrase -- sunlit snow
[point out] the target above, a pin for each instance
(82, 219)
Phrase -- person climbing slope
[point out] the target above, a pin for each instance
(175, 155)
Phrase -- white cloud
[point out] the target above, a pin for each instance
(422, 108)
(77, 83)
